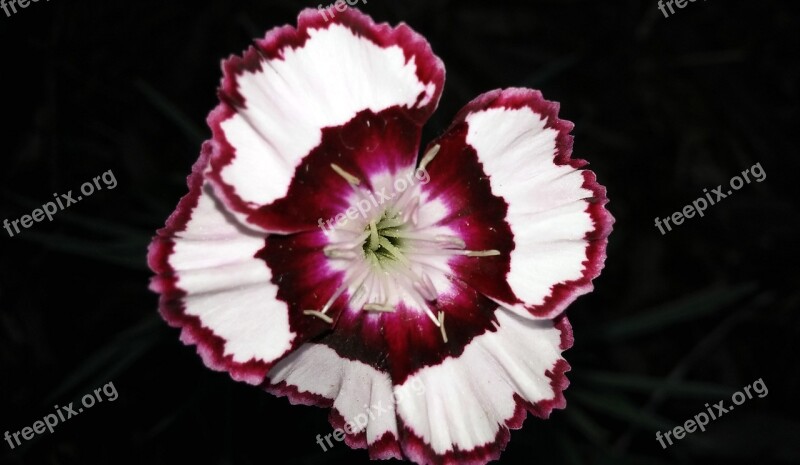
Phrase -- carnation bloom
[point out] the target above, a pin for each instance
(417, 293)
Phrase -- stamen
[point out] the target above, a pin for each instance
(352, 180)
(319, 315)
(454, 241)
(417, 296)
(353, 244)
(441, 326)
(358, 294)
(481, 253)
(382, 295)
(448, 241)
(468, 253)
(431, 315)
(333, 251)
(425, 287)
(429, 156)
(378, 308)
(411, 213)
(401, 204)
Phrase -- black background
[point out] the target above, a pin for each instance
(664, 107)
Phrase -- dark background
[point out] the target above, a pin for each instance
(664, 107)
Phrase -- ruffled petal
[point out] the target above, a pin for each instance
(554, 209)
(284, 92)
(361, 397)
(470, 402)
(217, 291)
(369, 146)
(457, 412)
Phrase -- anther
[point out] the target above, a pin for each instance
(352, 180)
(429, 156)
(319, 315)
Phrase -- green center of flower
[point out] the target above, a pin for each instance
(385, 242)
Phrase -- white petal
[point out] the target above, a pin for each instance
(361, 394)
(547, 202)
(324, 83)
(470, 398)
(226, 287)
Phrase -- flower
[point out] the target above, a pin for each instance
(318, 255)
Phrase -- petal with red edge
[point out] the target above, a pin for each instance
(217, 291)
(280, 96)
(360, 395)
(555, 210)
(470, 402)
